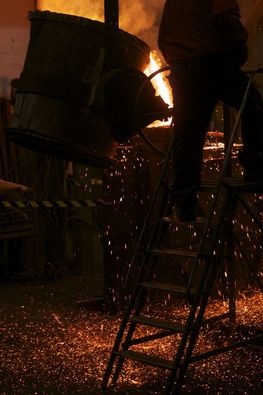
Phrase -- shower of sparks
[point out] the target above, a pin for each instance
(48, 352)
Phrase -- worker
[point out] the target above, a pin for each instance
(205, 44)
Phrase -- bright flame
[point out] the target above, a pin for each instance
(161, 85)
(159, 82)
(87, 9)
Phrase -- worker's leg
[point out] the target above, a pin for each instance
(234, 85)
(194, 102)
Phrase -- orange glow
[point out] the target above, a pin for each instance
(94, 9)
(88, 9)
(159, 82)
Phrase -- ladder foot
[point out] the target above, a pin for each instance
(117, 371)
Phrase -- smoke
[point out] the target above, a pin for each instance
(140, 17)
(93, 9)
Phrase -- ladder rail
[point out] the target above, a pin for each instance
(137, 296)
(140, 293)
(221, 183)
(149, 213)
(195, 321)
(182, 367)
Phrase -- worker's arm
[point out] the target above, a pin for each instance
(231, 29)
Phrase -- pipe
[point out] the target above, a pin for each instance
(111, 13)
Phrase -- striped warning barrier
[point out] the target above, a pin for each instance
(52, 203)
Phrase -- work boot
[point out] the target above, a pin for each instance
(252, 164)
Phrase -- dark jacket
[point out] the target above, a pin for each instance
(196, 28)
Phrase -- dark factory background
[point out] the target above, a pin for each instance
(80, 229)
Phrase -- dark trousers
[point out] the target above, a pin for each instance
(197, 86)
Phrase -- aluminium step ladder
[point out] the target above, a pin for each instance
(206, 263)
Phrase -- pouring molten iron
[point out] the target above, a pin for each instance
(77, 93)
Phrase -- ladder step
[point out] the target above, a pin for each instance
(241, 186)
(168, 251)
(238, 184)
(208, 185)
(166, 287)
(157, 323)
(174, 219)
(146, 359)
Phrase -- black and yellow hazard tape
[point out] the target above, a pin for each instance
(50, 203)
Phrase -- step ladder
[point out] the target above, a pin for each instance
(206, 263)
